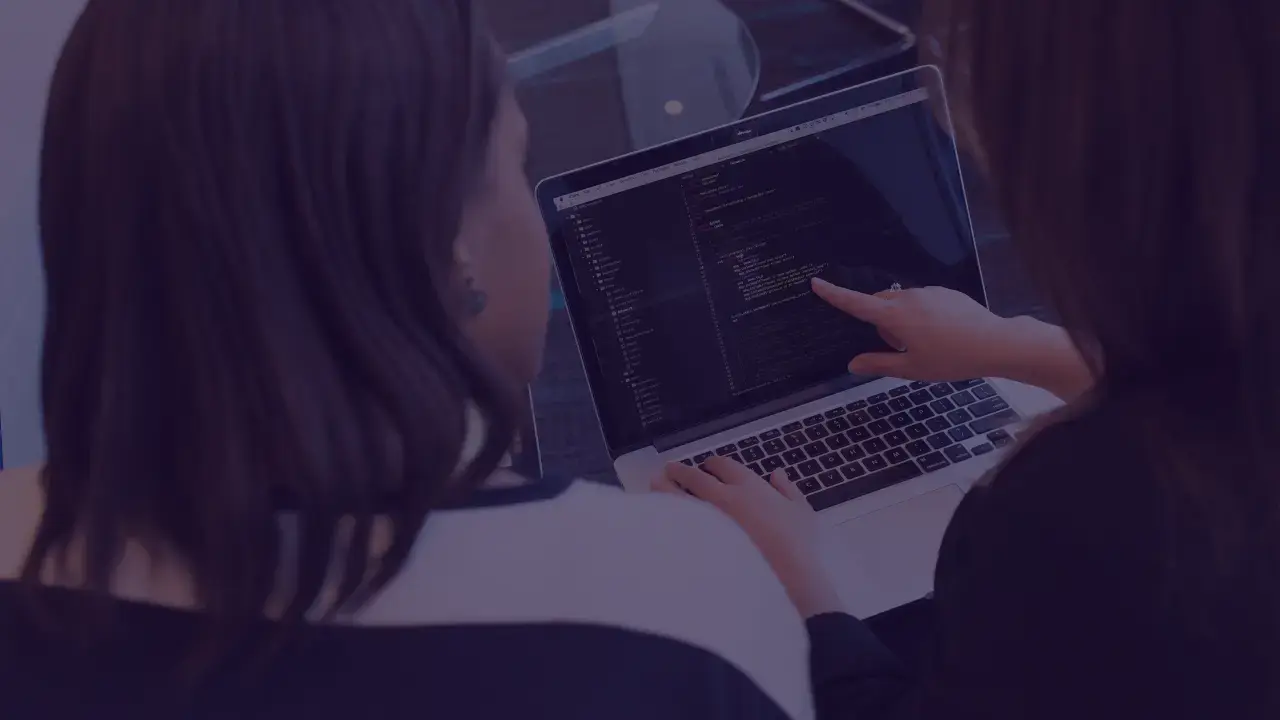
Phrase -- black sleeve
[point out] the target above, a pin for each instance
(854, 675)
(1039, 596)
(1039, 580)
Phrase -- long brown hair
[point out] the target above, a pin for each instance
(1135, 151)
(248, 213)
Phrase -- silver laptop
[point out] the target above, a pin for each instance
(686, 272)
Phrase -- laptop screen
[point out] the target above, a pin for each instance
(686, 268)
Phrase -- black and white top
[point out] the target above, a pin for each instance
(555, 599)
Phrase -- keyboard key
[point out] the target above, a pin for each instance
(748, 442)
(900, 391)
(942, 406)
(919, 384)
(871, 483)
(941, 390)
(964, 398)
(875, 445)
(817, 432)
(986, 407)
(859, 434)
(960, 433)
(856, 405)
(896, 455)
(918, 448)
(771, 463)
(796, 440)
(937, 424)
(879, 411)
(755, 468)
(920, 397)
(771, 434)
(813, 420)
(830, 478)
(984, 391)
(983, 449)
(896, 438)
(966, 384)
(809, 468)
(859, 417)
(726, 449)
(794, 456)
(816, 449)
(773, 447)
(838, 425)
(809, 487)
(1000, 438)
(831, 461)
(687, 461)
(959, 416)
(878, 398)
(940, 441)
(985, 425)
(933, 461)
(957, 453)
(921, 413)
(793, 474)
(900, 420)
(702, 457)
(792, 427)
(834, 412)
(852, 471)
(835, 442)
(753, 454)
(853, 453)
(900, 404)
(880, 427)
(875, 462)
(918, 432)
(734, 457)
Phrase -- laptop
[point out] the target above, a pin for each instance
(686, 274)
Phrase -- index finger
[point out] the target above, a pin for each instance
(860, 305)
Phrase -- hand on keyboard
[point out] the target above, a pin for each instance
(775, 515)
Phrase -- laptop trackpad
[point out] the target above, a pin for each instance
(887, 559)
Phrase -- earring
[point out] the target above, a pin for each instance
(477, 300)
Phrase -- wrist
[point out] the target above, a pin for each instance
(1042, 355)
(811, 590)
(821, 599)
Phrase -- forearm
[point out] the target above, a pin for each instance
(1044, 356)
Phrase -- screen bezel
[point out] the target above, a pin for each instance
(590, 176)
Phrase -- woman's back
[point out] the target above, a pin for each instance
(297, 282)
(552, 597)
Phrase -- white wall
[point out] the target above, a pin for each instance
(31, 34)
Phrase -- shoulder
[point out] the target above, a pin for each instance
(1079, 452)
(1078, 496)
(652, 564)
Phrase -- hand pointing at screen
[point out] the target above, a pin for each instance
(943, 334)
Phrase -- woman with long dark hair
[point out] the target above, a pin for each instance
(1125, 561)
(296, 281)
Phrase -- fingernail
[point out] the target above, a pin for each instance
(821, 283)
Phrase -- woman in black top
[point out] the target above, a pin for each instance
(1125, 561)
(296, 283)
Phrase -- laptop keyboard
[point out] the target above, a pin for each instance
(846, 452)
